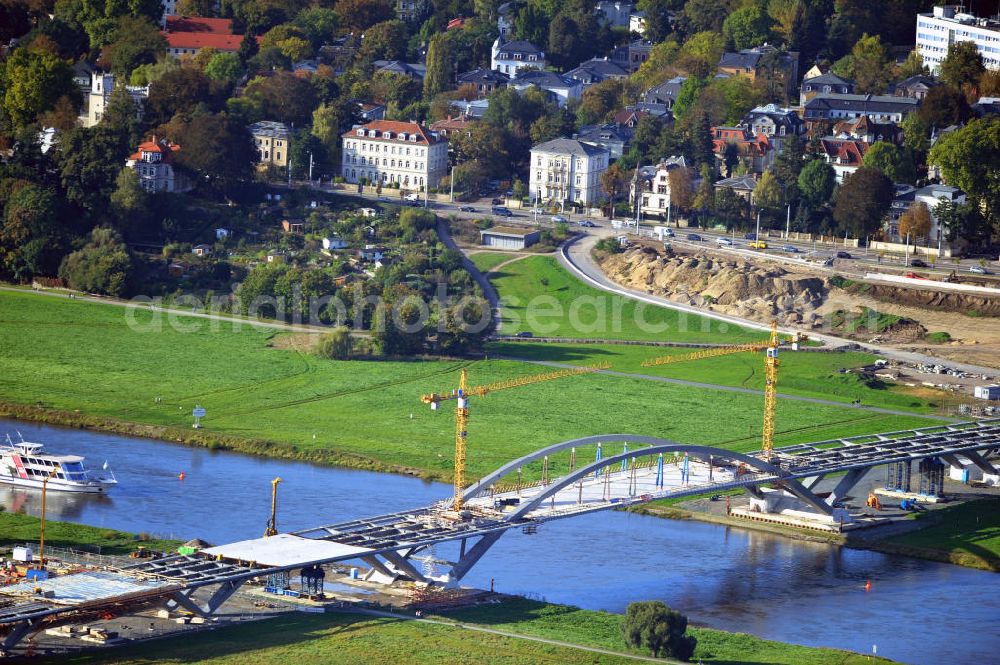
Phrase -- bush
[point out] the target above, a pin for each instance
(653, 625)
(938, 337)
(610, 245)
(335, 345)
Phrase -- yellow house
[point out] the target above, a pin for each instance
(273, 141)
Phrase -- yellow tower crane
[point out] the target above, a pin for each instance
(461, 398)
(771, 347)
(272, 527)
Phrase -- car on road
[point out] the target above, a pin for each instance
(415, 204)
(537, 211)
(758, 244)
(496, 202)
(412, 197)
(501, 211)
(827, 262)
(467, 209)
(669, 233)
(979, 270)
(694, 237)
(750, 236)
(559, 219)
(918, 263)
(723, 241)
(844, 255)
(524, 334)
(791, 249)
(586, 223)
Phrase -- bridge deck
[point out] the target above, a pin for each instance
(414, 530)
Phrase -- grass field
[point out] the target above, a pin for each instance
(17, 529)
(807, 373)
(562, 306)
(968, 534)
(603, 629)
(73, 356)
(486, 261)
(354, 638)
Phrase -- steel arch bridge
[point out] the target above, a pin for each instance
(652, 468)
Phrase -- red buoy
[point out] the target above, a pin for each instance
(868, 586)
(180, 476)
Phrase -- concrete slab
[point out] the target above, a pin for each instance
(285, 549)
(84, 587)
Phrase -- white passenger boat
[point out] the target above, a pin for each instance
(24, 464)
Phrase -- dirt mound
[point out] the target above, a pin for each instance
(729, 286)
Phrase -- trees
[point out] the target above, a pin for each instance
(30, 238)
(969, 158)
(614, 182)
(225, 67)
(205, 8)
(862, 201)
(747, 27)
(385, 41)
(32, 82)
(284, 97)
(963, 66)
(944, 106)
(653, 625)
(815, 183)
(657, 18)
(485, 144)
(872, 65)
(896, 163)
(700, 54)
(101, 266)
(916, 221)
(129, 198)
(767, 194)
(180, 91)
(788, 18)
(134, 41)
(218, 148)
(358, 15)
(439, 66)
(89, 162)
(707, 15)
(681, 188)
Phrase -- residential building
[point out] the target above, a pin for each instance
(475, 109)
(505, 18)
(931, 196)
(741, 184)
(613, 138)
(774, 121)
(631, 57)
(878, 108)
(655, 186)
(97, 100)
(453, 126)
(779, 69)
(186, 36)
(154, 163)
(637, 23)
(388, 151)
(83, 75)
(562, 88)
(411, 11)
(986, 106)
(333, 242)
(824, 83)
(756, 150)
(485, 80)
(845, 155)
(916, 87)
(339, 53)
(567, 170)
(596, 70)
(273, 140)
(665, 93)
(414, 70)
(292, 226)
(368, 111)
(946, 25)
(170, 9)
(614, 14)
(509, 237)
(512, 57)
(202, 250)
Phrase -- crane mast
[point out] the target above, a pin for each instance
(461, 398)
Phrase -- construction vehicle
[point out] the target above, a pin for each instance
(771, 347)
(143, 552)
(873, 501)
(461, 399)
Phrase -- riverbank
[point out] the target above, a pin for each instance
(966, 534)
(18, 529)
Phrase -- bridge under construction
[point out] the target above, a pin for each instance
(624, 470)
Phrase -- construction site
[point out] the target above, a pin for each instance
(416, 559)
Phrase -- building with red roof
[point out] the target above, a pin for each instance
(154, 163)
(845, 155)
(389, 151)
(187, 35)
(757, 150)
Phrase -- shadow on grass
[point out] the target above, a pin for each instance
(282, 631)
(550, 352)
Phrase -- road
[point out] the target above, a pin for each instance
(576, 257)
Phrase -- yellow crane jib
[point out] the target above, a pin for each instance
(461, 399)
(272, 527)
(752, 347)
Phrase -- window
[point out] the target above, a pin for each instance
(277, 156)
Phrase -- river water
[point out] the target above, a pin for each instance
(917, 612)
